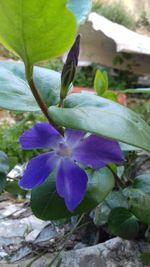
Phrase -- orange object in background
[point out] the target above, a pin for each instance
(121, 98)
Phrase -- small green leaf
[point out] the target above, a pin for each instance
(110, 95)
(123, 223)
(47, 205)
(100, 214)
(35, 29)
(142, 182)
(103, 117)
(15, 93)
(138, 90)
(80, 9)
(139, 203)
(116, 199)
(100, 82)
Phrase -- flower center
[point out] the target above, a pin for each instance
(64, 150)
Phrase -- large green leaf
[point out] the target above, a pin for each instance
(123, 223)
(100, 116)
(15, 93)
(47, 205)
(36, 30)
(139, 203)
(80, 8)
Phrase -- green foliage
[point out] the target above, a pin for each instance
(145, 258)
(118, 79)
(115, 12)
(123, 78)
(143, 20)
(123, 211)
(84, 76)
(13, 188)
(47, 205)
(10, 136)
(54, 64)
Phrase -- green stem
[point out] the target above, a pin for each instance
(39, 100)
(60, 103)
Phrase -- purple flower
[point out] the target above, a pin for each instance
(65, 154)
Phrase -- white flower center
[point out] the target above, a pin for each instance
(64, 150)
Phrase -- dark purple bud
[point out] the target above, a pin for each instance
(69, 69)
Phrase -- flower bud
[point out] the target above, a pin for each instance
(69, 69)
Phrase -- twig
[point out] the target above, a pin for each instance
(57, 255)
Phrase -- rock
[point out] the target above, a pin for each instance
(113, 253)
(3, 254)
(23, 239)
(20, 253)
(49, 232)
(12, 232)
(9, 210)
(104, 41)
(80, 245)
(32, 235)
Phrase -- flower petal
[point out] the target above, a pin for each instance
(71, 183)
(73, 137)
(96, 152)
(41, 135)
(38, 170)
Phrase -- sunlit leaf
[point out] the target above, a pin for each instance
(36, 30)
